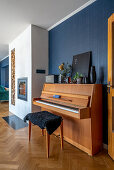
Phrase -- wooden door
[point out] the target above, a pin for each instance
(111, 86)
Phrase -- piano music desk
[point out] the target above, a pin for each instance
(80, 105)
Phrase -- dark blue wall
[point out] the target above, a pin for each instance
(85, 31)
(4, 72)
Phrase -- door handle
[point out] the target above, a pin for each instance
(108, 87)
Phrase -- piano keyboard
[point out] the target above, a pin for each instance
(58, 106)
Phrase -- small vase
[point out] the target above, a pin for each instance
(60, 78)
(79, 80)
(74, 81)
(85, 80)
(92, 75)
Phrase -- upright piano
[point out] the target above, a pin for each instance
(80, 105)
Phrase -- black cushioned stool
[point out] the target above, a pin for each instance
(48, 121)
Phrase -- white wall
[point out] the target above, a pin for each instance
(31, 53)
(22, 45)
(39, 60)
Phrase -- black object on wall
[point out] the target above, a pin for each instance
(81, 64)
(40, 71)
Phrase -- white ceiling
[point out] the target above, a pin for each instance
(16, 15)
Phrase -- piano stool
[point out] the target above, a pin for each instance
(48, 121)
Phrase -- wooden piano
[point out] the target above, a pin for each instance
(80, 105)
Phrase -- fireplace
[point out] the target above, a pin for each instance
(22, 88)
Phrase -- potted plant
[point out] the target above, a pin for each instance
(77, 78)
(65, 72)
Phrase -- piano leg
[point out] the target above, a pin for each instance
(61, 134)
(47, 143)
(29, 130)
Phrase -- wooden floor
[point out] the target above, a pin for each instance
(17, 153)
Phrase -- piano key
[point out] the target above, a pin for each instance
(59, 107)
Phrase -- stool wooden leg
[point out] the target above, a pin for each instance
(29, 130)
(61, 134)
(47, 143)
(42, 132)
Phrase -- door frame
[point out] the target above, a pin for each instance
(110, 86)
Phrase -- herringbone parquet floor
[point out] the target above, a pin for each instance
(17, 153)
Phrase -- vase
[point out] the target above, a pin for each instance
(92, 75)
(79, 80)
(85, 80)
(60, 78)
(74, 81)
